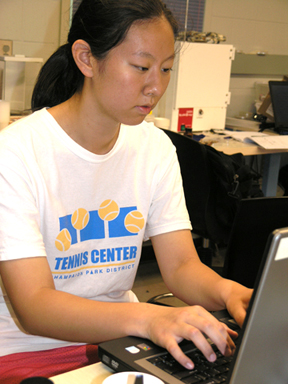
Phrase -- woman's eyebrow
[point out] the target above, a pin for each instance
(150, 56)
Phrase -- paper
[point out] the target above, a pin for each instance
(264, 140)
(245, 136)
(272, 142)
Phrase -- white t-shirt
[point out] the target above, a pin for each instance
(88, 214)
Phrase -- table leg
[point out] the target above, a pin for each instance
(271, 166)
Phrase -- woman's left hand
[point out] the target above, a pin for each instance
(237, 298)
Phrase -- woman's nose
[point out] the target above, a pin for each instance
(155, 86)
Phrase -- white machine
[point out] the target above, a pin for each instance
(198, 92)
(17, 79)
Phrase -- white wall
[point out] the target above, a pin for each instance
(250, 26)
(35, 26)
(38, 27)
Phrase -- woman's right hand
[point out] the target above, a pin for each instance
(168, 326)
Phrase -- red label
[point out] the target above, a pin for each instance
(185, 117)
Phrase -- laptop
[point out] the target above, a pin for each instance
(262, 349)
(279, 99)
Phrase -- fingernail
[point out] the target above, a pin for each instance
(189, 366)
(212, 357)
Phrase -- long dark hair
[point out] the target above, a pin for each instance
(103, 24)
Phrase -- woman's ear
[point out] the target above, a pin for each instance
(83, 58)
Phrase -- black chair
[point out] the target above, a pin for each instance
(255, 219)
(198, 185)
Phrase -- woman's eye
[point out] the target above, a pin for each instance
(142, 69)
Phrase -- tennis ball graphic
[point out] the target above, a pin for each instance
(108, 210)
(134, 221)
(63, 240)
(80, 218)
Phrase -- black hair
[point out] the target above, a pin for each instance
(103, 24)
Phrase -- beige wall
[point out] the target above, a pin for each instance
(37, 27)
(251, 26)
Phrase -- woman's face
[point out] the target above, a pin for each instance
(135, 74)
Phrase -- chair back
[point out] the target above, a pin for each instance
(198, 185)
(255, 219)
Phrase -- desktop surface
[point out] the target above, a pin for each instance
(92, 374)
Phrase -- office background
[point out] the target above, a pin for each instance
(37, 28)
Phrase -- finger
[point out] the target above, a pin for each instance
(175, 351)
(193, 334)
(223, 341)
(233, 334)
(230, 349)
(201, 342)
(213, 329)
(230, 341)
(225, 346)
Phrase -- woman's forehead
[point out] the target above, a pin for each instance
(148, 37)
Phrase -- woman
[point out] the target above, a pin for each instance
(83, 182)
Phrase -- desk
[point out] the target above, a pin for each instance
(271, 164)
(92, 374)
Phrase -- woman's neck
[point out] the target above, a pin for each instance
(84, 127)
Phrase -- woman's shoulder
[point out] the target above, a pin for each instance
(24, 122)
(24, 128)
(20, 138)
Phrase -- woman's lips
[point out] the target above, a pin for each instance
(144, 109)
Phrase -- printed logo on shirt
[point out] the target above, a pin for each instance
(109, 221)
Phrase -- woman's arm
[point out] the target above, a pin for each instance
(44, 311)
(192, 281)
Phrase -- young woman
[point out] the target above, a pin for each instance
(83, 181)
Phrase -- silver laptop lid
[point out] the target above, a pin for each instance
(263, 353)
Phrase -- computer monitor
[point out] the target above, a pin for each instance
(279, 99)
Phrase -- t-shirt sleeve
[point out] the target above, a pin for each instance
(168, 210)
(20, 220)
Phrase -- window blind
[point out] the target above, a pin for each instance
(195, 18)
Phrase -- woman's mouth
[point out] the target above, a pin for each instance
(144, 109)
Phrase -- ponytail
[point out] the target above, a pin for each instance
(58, 80)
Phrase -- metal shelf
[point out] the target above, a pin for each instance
(249, 64)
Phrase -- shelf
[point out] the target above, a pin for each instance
(22, 59)
(248, 64)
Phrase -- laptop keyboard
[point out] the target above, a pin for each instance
(204, 371)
